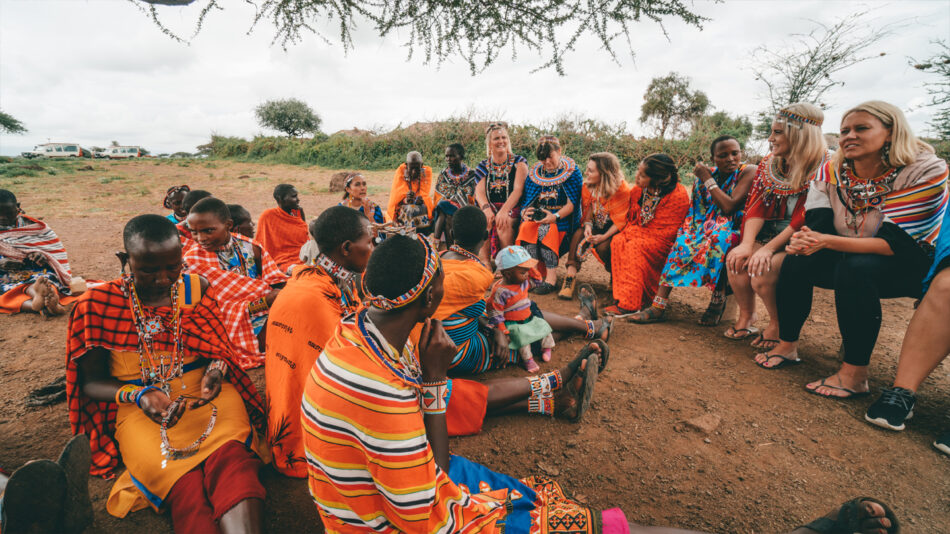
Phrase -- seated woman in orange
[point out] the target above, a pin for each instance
(283, 230)
(410, 198)
(658, 205)
(34, 271)
(605, 200)
(151, 378)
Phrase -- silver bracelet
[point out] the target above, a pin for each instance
(711, 184)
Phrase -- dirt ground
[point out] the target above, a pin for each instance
(777, 458)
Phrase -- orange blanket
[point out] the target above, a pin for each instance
(639, 252)
(400, 189)
(466, 282)
(300, 322)
(282, 234)
(617, 205)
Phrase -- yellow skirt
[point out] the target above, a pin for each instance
(146, 481)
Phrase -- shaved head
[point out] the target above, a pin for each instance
(413, 157)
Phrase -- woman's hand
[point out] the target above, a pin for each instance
(588, 231)
(490, 215)
(807, 241)
(738, 257)
(368, 206)
(597, 239)
(272, 296)
(500, 350)
(155, 404)
(210, 387)
(701, 171)
(549, 218)
(436, 351)
(527, 213)
(503, 220)
(760, 262)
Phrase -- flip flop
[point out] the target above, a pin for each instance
(850, 519)
(586, 393)
(607, 323)
(851, 394)
(647, 316)
(759, 339)
(585, 353)
(588, 300)
(749, 332)
(786, 362)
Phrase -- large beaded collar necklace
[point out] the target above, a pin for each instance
(403, 363)
(457, 177)
(863, 195)
(649, 200)
(565, 168)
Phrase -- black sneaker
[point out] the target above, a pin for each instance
(943, 443)
(892, 408)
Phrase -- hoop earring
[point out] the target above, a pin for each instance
(886, 154)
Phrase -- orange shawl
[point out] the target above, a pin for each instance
(400, 189)
(617, 205)
(466, 282)
(282, 234)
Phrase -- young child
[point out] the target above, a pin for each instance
(241, 220)
(515, 313)
(244, 276)
(173, 199)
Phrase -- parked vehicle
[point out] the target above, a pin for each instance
(123, 152)
(58, 150)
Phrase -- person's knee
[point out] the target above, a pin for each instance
(940, 285)
(857, 269)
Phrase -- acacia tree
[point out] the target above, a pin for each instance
(671, 106)
(10, 125)
(291, 116)
(474, 30)
(939, 89)
(804, 69)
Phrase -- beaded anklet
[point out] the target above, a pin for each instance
(660, 302)
(591, 332)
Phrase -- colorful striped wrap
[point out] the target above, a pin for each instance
(33, 235)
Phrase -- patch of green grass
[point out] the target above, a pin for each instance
(110, 179)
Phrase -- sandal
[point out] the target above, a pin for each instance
(606, 325)
(851, 394)
(618, 312)
(762, 343)
(585, 394)
(567, 288)
(588, 298)
(648, 316)
(713, 314)
(787, 361)
(740, 334)
(585, 353)
(543, 289)
(851, 519)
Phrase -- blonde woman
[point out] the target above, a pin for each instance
(500, 185)
(774, 210)
(872, 217)
(605, 199)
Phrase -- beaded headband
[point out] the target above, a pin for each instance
(172, 191)
(432, 266)
(797, 119)
(496, 126)
(349, 179)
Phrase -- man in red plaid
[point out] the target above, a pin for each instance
(244, 276)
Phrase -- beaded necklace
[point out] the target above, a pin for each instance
(462, 252)
(235, 250)
(148, 327)
(864, 195)
(173, 453)
(499, 173)
(599, 214)
(344, 278)
(539, 176)
(774, 185)
(407, 368)
(648, 203)
(456, 177)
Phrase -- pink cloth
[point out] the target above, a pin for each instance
(614, 522)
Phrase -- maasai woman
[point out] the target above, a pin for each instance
(190, 200)
(550, 209)
(303, 319)
(454, 189)
(410, 200)
(283, 230)
(605, 199)
(710, 229)
(872, 217)
(500, 186)
(241, 221)
(243, 274)
(34, 270)
(658, 204)
(774, 210)
(173, 199)
(354, 196)
(150, 377)
(377, 415)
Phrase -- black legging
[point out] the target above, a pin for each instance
(859, 281)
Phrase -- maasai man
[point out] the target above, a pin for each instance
(191, 198)
(241, 220)
(304, 317)
(376, 416)
(410, 200)
(243, 274)
(173, 200)
(34, 270)
(149, 352)
(283, 230)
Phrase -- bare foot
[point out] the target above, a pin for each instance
(52, 300)
(39, 290)
(839, 385)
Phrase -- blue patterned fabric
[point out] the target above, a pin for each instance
(942, 253)
(480, 479)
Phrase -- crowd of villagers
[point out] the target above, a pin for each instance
(371, 323)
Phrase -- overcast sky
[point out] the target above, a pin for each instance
(93, 71)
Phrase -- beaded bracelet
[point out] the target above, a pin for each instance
(127, 394)
(711, 184)
(143, 391)
(218, 365)
(435, 397)
(173, 453)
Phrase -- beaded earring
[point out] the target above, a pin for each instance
(886, 154)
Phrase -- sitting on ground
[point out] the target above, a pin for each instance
(283, 230)
(410, 197)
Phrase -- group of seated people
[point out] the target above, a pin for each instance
(366, 342)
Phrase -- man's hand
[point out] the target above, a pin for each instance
(210, 387)
(436, 350)
(272, 296)
(155, 405)
(588, 231)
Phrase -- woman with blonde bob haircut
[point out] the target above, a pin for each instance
(605, 199)
(774, 210)
(499, 188)
(872, 217)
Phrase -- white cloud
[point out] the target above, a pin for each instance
(97, 71)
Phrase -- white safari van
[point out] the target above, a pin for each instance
(58, 150)
(121, 152)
